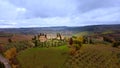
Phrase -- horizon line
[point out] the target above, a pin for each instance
(55, 26)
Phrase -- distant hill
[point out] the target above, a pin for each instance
(63, 29)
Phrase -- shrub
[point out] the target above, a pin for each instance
(77, 46)
(11, 53)
(72, 50)
(2, 65)
(116, 44)
(80, 39)
(21, 45)
(2, 49)
(50, 43)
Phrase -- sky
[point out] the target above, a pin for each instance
(47, 13)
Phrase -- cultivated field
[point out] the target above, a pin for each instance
(89, 56)
(95, 56)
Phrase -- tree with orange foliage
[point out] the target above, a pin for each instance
(11, 53)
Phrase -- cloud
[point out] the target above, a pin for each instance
(43, 13)
(7, 24)
(45, 22)
(9, 11)
(48, 8)
(10, 23)
(85, 6)
(102, 14)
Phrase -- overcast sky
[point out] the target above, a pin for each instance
(45, 13)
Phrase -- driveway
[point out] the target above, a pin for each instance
(4, 61)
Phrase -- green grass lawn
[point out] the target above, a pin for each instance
(53, 57)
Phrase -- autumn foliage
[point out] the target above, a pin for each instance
(75, 44)
(9, 54)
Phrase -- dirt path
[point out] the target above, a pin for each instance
(4, 61)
